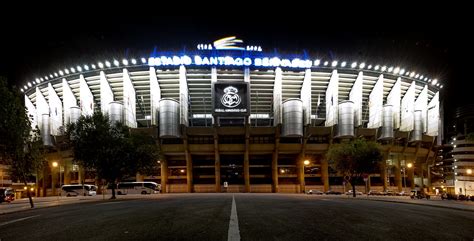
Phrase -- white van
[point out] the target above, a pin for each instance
(78, 190)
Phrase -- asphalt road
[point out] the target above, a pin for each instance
(260, 217)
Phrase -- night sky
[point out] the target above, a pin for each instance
(435, 48)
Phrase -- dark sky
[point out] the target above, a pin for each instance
(434, 47)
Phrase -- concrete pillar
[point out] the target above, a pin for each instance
(67, 172)
(217, 164)
(325, 174)
(139, 177)
(164, 175)
(189, 172)
(81, 174)
(398, 175)
(275, 160)
(300, 171)
(275, 171)
(54, 180)
(428, 167)
(411, 176)
(383, 173)
(246, 166)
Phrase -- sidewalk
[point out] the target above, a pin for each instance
(42, 202)
(435, 201)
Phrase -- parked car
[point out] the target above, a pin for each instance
(402, 193)
(6, 195)
(357, 192)
(333, 193)
(317, 192)
(376, 193)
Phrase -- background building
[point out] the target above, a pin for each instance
(246, 118)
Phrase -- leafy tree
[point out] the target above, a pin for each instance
(110, 148)
(21, 146)
(470, 136)
(354, 158)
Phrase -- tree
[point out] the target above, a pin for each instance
(110, 149)
(354, 158)
(21, 145)
(470, 136)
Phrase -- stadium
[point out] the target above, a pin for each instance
(234, 118)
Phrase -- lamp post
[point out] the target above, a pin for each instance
(468, 172)
(55, 164)
(409, 165)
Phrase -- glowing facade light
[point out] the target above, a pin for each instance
(421, 77)
(116, 63)
(396, 70)
(376, 67)
(46, 77)
(390, 69)
(134, 61)
(22, 90)
(383, 68)
(343, 64)
(434, 82)
(441, 86)
(93, 66)
(100, 64)
(417, 75)
(361, 65)
(51, 76)
(25, 87)
(317, 62)
(29, 84)
(354, 64)
(402, 71)
(125, 62)
(326, 63)
(306, 162)
(61, 73)
(86, 67)
(107, 63)
(37, 80)
(73, 70)
(412, 74)
(143, 61)
(369, 67)
(55, 74)
(334, 63)
(79, 69)
(407, 73)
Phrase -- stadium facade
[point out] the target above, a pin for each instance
(234, 118)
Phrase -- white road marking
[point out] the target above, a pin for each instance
(18, 220)
(234, 233)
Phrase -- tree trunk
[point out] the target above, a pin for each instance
(113, 191)
(28, 193)
(353, 187)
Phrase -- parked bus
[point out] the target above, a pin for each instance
(124, 188)
(78, 190)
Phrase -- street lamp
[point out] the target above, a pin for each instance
(55, 164)
(409, 165)
(469, 172)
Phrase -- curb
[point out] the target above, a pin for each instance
(27, 208)
(421, 204)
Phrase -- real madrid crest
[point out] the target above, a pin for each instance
(230, 99)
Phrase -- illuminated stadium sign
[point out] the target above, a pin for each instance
(230, 98)
(229, 61)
